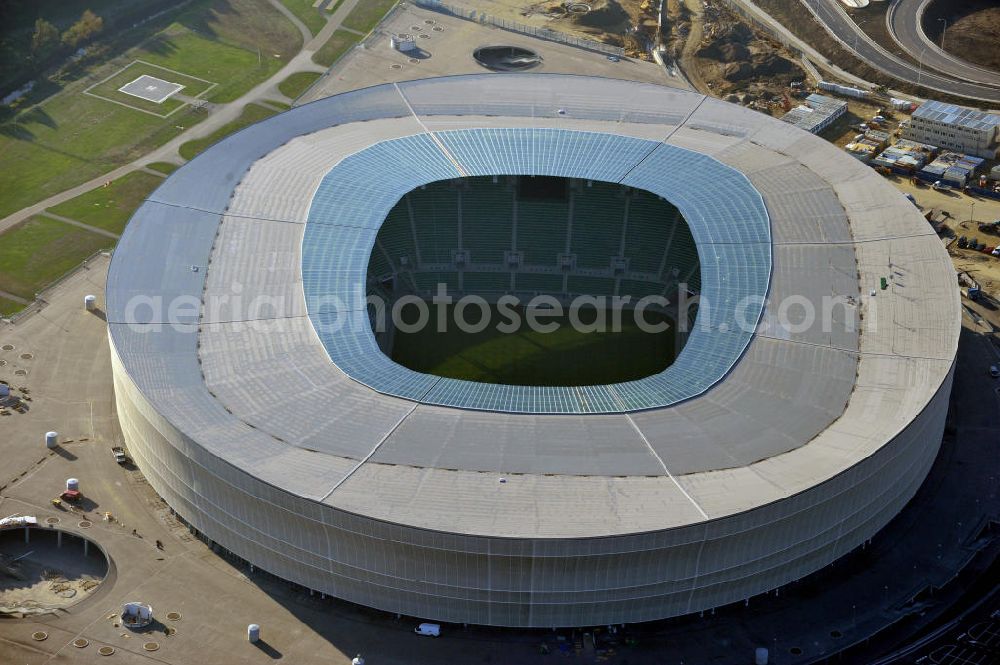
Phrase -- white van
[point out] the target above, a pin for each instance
(431, 629)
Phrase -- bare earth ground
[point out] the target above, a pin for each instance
(608, 21)
(733, 59)
(973, 32)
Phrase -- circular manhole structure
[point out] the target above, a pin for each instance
(85, 524)
(151, 646)
(27, 356)
(81, 643)
(506, 58)
(413, 61)
(52, 520)
(428, 21)
(106, 651)
(173, 616)
(577, 7)
(437, 28)
(20, 372)
(395, 65)
(795, 651)
(7, 347)
(39, 635)
(836, 634)
(425, 36)
(415, 28)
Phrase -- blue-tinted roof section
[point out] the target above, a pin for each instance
(724, 211)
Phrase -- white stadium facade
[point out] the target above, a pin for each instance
(763, 453)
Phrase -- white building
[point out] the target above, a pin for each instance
(956, 128)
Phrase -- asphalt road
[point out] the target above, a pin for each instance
(831, 13)
(903, 20)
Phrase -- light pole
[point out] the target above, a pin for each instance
(944, 30)
(972, 212)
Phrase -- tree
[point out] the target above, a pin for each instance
(44, 38)
(83, 30)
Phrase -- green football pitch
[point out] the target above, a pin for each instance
(563, 357)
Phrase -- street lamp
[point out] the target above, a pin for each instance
(972, 211)
(944, 30)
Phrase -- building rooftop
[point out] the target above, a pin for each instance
(957, 115)
(800, 406)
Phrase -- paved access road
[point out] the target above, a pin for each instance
(904, 22)
(832, 14)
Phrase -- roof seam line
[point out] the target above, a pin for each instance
(437, 141)
(665, 469)
(666, 138)
(370, 454)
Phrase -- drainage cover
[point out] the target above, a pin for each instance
(150, 646)
(85, 524)
(52, 520)
(106, 651)
(174, 616)
(39, 636)
(80, 643)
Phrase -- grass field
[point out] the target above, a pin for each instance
(303, 9)
(338, 44)
(251, 113)
(110, 207)
(165, 168)
(71, 138)
(297, 83)
(38, 251)
(9, 307)
(565, 357)
(367, 14)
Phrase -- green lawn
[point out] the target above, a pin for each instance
(251, 113)
(338, 44)
(71, 138)
(565, 357)
(297, 83)
(9, 307)
(110, 207)
(165, 168)
(367, 14)
(303, 9)
(38, 251)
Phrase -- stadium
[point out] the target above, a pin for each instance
(797, 414)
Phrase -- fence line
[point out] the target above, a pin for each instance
(513, 26)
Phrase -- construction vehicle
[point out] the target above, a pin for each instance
(119, 454)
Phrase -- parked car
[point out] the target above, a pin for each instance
(940, 186)
(429, 629)
(963, 242)
(994, 371)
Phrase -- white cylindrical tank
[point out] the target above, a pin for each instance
(73, 484)
(90, 302)
(51, 439)
(760, 656)
(253, 632)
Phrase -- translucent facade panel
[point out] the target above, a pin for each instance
(729, 227)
